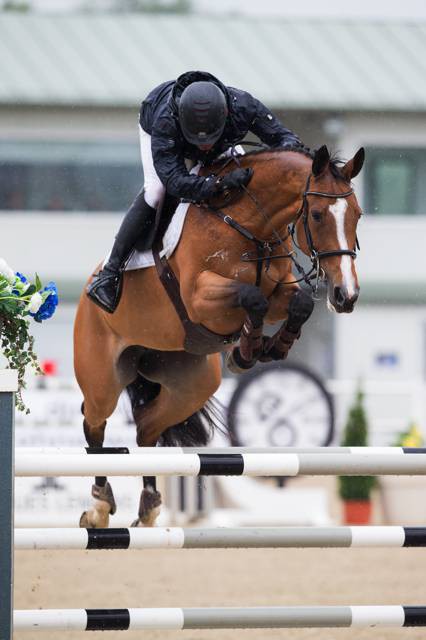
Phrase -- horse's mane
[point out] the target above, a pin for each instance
(334, 163)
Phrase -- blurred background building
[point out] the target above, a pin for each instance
(73, 74)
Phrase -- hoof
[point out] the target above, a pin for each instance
(105, 494)
(149, 508)
(235, 364)
(84, 520)
(95, 519)
(103, 506)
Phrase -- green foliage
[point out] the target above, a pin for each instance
(15, 5)
(356, 435)
(17, 345)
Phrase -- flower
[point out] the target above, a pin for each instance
(36, 301)
(412, 437)
(6, 271)
(47, 309)
(20, 299)
(21, 284)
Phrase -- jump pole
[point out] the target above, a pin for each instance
(210, 464)
(214, 450)
(8, 387)
(219, 618)
(220, 538)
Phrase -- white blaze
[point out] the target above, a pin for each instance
(338, 209)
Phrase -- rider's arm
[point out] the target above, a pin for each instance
(170, 166)
(269, 129)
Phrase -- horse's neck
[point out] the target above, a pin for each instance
(277, 188)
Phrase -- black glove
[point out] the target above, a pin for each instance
(234, 180)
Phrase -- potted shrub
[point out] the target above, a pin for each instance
(404, 497)
(355, 491)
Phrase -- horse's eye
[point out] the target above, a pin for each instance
(316, 215)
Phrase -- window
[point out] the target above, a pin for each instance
(395, 182)
(63, 176)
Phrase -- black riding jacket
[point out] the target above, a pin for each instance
(159, 117)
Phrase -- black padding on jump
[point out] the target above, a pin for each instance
(223, 464)
(107, 619)
(108, 539)
(414, 449)
(97, 450)
(415, 536)
(415, 616)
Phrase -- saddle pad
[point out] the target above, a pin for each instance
(143, 259)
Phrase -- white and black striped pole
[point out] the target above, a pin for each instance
(221, 538)
(220, 618)
(406, 462)
(215, 450)
(8, 387)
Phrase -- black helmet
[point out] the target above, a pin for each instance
(202, 113)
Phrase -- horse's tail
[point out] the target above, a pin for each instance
(195, 431)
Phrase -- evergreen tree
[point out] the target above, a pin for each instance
(356, 435)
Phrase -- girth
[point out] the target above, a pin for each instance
(198, 339)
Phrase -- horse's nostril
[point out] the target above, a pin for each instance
(338, 295)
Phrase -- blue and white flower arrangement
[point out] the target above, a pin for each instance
(21, 300)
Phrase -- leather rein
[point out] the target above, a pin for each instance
(265, 248)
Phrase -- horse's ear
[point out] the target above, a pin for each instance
(354, 166)
(320, 161)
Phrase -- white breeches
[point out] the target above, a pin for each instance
(154, 188)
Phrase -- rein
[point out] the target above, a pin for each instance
(264, 248)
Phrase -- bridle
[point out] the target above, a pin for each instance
(315, 255)
(264, 248)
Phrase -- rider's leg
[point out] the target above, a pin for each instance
(137, 227)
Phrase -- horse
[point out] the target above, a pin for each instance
(232, 272)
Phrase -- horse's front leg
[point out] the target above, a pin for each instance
(250, 347)
(300, 307)
(104, 503)
(215, 299)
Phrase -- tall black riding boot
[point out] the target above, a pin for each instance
(137, 227)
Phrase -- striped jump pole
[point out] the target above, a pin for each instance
(220, 538)
(229, 464)
(219, 618)
(215, 450)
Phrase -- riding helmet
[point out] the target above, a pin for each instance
(202, 113)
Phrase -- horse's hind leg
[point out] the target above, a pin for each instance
(101, 387)
(140, 392)
(187, 382)
(104, 503)
(149, 503)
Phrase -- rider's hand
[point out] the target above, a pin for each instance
(234, 180)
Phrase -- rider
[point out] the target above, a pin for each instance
(196, 118)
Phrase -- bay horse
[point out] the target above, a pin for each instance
(233, 270)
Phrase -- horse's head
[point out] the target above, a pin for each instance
(326, 225)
